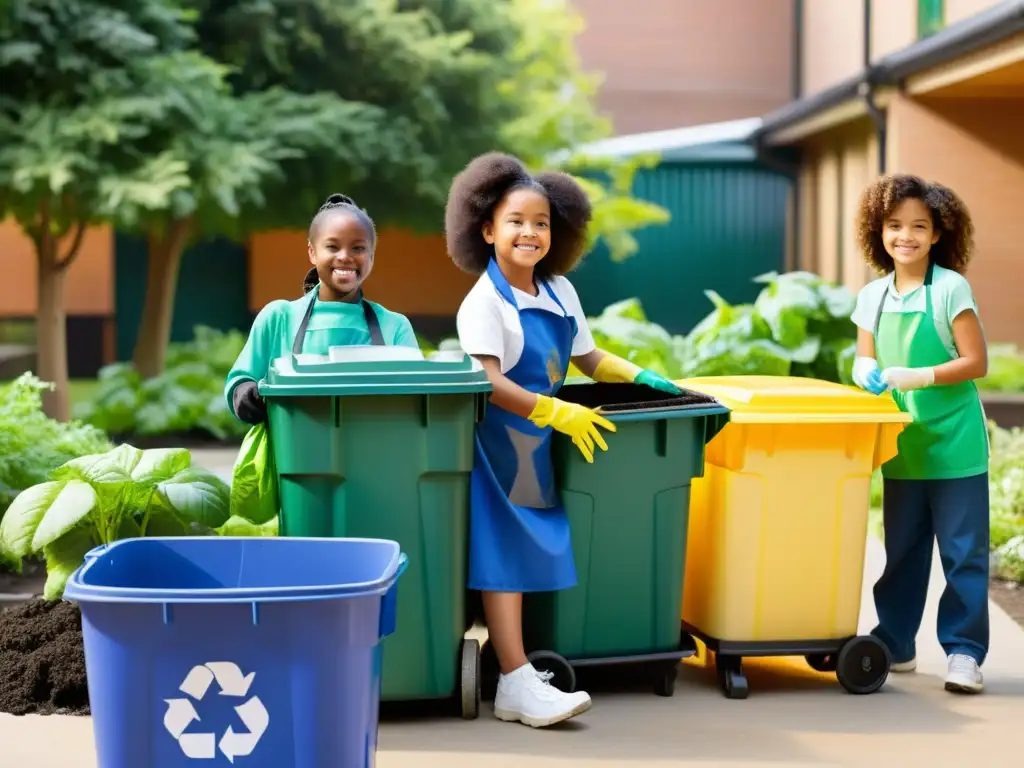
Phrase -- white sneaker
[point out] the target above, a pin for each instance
(904, 666)
(964, 675)
(527, 696)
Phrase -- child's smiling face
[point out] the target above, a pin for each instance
(520, 229)
(908, 232)
(342, 253)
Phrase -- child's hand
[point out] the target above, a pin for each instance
(655, 380)
(867, 375)
(906, 379)
(249, 406)
(574, 420)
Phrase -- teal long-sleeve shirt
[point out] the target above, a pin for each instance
(333, 324)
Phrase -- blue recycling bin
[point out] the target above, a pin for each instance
(207, 650)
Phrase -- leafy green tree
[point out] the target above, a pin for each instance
(231, 148)
(84, 83)
(418, 79)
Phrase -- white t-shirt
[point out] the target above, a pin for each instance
(951, 295)
(489, 325)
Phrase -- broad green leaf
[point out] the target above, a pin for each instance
(160, 464)
(196, 495)
(110, 468)
(9, 561)
(71, 506)
(63, 557)
(18, 526)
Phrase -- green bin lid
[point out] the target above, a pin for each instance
(374, 370)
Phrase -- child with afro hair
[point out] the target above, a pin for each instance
(521, 234)
(920, 336)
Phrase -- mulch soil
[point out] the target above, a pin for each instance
(42, 660)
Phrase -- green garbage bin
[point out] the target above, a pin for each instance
(376, 442)
(629, 514)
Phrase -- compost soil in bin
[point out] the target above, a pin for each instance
(612, 398)
(42, 660)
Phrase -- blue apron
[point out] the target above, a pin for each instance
(518, 529)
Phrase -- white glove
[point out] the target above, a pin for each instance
(867, 376)
(906, 379)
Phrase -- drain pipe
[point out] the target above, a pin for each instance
(866, 90)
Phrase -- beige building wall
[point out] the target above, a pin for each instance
(893, 26)
(833, 34)
(90, 279)
(672, 63)
(837, 167)
(975, 147)
(833, 42)
(958, 10)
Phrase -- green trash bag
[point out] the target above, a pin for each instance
(254, 495)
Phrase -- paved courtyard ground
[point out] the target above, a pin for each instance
(793, 718)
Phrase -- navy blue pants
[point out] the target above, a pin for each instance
(918, 512)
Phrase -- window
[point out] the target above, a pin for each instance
(931, 17)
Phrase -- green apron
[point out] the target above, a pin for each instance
(948, 438)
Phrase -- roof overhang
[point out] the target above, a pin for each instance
(713, 142)
(979, 44)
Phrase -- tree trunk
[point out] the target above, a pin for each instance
(51, 328)
(165, 252)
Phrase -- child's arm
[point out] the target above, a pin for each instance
(866, 373)
(505, 393)
(240, 388)
(604, 366)
(970, 344)
(574, 420)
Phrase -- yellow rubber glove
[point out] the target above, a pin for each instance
(615, 370)
(574, 420)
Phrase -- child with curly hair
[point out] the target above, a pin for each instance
(523, 321)
(920, 336)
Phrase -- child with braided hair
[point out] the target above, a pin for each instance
(332, 312)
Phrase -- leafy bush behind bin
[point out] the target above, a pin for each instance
(799, 325)
(31, 443)
(118, 494)
(1005, 369)
(187, 397)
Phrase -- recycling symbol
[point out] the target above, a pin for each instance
(181, 712)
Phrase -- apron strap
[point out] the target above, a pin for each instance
(927, 297)
(372, 323)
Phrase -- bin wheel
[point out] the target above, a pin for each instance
(823, 662)
(863, 665)
(470, 688)
(665, 683)
(731, 677)
(563, 675)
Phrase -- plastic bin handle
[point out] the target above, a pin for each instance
(389, 604)
(95, 552)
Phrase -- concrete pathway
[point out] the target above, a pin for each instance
(794, 717)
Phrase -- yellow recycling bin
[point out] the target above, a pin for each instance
(778, 524)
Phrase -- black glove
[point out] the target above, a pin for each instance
(249, 406)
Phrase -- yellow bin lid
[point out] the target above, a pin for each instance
(794, 400)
